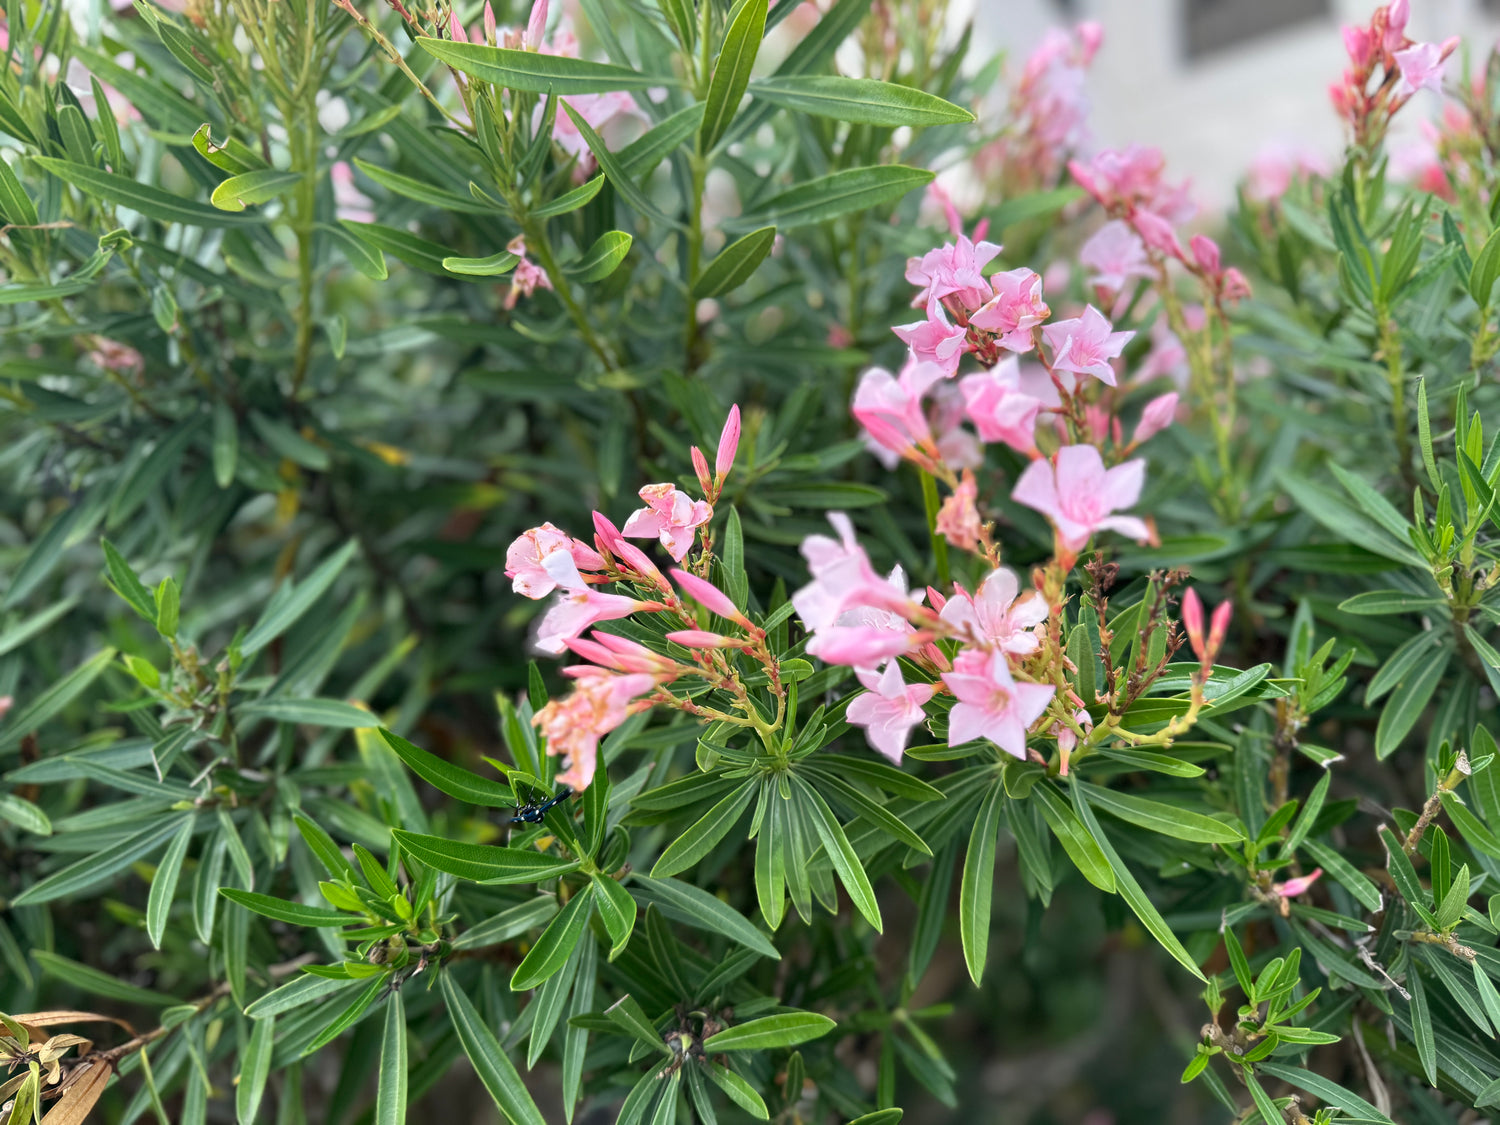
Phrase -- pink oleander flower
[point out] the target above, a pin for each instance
(1421, 68)
(843, 580)
(1086, 344)
(888, 709)
(671, 516)
(543, 558)
(1014, 310)
(1115, 254)
(527, 277)
(1067, 740)
(1277, 165)
(957, 447)
(348, 201)
(953, 269)
(991, 704)
(1157, 416)
(1234, 285)
(890, 411)
(958, 519)
(114, 356)
(871, 627)
(1359, 42)
(999, 616)
(999, 408)
(1131, 178)
(936, 340)
(573, 725)
(1167, 355)
(1298, 886)
(1078, 494)
(702, 638)
(576, 610)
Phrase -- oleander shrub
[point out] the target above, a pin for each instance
(553, 570)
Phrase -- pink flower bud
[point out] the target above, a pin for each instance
(1236, 286)
(636, 561)
(700, 638)
(729, 444)
(606, 534)
(1192, 620)
(1205, 253)
(1156, 233)
(936, 598)
(1156, 417)
(700, 467)
(1091, 37)
(709, 596)
(489, 23)
(1298, 886)
(536, 26)
(1360, 44)
(456, 29)
(1218, 626)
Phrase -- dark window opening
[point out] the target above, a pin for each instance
(1216, 25)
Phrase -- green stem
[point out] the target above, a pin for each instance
(939, 544)
(1390, 350)
(538, 244)
(699, 171)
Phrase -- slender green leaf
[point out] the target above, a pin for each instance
(732, 71)
(977, 887)
(863, 101)
(536, 73)
(786, 1029)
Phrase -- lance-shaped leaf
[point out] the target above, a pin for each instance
(250, 188)
(863, 101)
(448, 778)
(734, 264)
(732, 71)
(977, 888)
(484, 863)
(536, 73)
(786, 1029)
(828, 197)
(607, 252)
(152, 202)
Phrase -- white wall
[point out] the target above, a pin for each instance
(1211, 116)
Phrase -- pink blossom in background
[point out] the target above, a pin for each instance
(1015, 308)
(889, 411)
(957, 447)
(114, 356)
(1421, 68)
(527, 277)
(888, 709)
(348, 201)
(526, 561)
(953, 269)
(1157, 416)
(1080, 496)
(999, 616)
(1115, 255)
(999, 408)
(958, 518)
(670, 516)
(939, 195)
(1133, 178)
(935, 340)
(843, 579)
(1167, 355)
(574, 724)
(1416, 161)
(1086, 344)
(1277, 165)
(991, 704)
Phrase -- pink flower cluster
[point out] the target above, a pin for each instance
(623, 676)
(860, 619)
(1047, 115)
(1386, 67)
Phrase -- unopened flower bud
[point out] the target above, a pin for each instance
(1192, 620)
(701, 638)
(729, 444)
(700, 467)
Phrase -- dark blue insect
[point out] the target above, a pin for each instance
(534, 810)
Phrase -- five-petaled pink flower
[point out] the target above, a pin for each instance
(1115, 254)
(1421, 68)
(1014, 310)
(991, 703)
(670, 515)
(888, 709)
(843, 579)
(575, 610)
(999, 616)
(999, 409)
(952, 270)
(573, 725)
(1079, 495)
(1086, 344)
(543, 558)
(935, 340)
